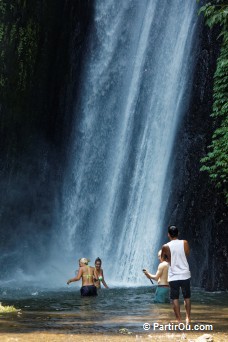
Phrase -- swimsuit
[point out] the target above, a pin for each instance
(88, 275)
(88, 290)
(162, 294)
(99, 278)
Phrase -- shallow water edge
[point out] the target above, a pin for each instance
(62, 315)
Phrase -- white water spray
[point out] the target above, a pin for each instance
(135, 78)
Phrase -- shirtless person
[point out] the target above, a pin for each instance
(86, 273)
(161, 276)
(179, 274)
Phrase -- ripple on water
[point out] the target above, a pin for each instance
(110, 310)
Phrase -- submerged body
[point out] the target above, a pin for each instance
(99, 275)
(161, 276)
(86, 273)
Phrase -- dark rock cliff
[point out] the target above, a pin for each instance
(194, 205)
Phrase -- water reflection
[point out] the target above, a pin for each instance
(109, 311)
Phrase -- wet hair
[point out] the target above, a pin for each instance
(163, 258)
(173, 231)
(98, 259)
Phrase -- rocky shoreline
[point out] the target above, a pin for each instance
(158, 337)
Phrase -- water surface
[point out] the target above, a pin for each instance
(63, 310)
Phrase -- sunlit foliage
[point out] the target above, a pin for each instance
(216, 160)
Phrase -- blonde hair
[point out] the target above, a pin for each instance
(84, 261)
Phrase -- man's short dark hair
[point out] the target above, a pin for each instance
(173, 231)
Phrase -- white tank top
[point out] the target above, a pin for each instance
(179, 268)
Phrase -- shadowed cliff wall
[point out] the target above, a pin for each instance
(194, 204)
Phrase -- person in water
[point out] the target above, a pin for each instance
(176, 252)
(161, 276)
(99, 274)
(86, 273)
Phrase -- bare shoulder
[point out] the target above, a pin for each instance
(163, 265)
(80, 271)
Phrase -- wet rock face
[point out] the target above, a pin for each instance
(194, 203)
(35, 126)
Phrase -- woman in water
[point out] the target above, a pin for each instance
(99, 275)
(86, 273)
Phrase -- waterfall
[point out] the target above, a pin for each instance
(133, 93)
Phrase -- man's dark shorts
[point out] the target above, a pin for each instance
(175, 286)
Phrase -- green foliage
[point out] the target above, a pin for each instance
(216, 160)
(19, 36)
(215, 14)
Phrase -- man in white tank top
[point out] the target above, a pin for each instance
(176, 252)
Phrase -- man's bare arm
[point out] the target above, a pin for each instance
(186, 248)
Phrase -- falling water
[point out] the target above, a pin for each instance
(135, 79)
